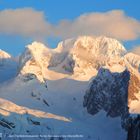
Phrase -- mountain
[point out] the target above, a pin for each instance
(8, 66)
(80, 57)
(86, 88)
(35, 60)
(112, 97)
(84, 55)
(133, 60)
(4, 55)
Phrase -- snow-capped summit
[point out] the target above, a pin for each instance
(100, 45)
(86, 54)
(35, 60)
(4, 55)
(97, 51)
(81, 56)
(133, 60)
(35, 51)
(8, 66)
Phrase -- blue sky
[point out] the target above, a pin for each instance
(55, 11)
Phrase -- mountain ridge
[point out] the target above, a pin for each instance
(57, 80)
(78, 56)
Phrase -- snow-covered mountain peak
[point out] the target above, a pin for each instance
(36, 47)
(35, 50)
(86, 54)
(81, 56)
(100, 45)
(133, 60)
(8, 66)
(35, 60)
(4, 55)
(32, 51)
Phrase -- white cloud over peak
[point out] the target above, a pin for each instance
(113, 23)
(32, 23)
(26, 22)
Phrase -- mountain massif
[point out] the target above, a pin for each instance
(86, 88)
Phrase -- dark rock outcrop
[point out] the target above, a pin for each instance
(134, 128)
(108, 92)
(6, 123)
(28, 77)
(134, 87)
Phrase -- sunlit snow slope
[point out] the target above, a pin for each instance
(46, 96)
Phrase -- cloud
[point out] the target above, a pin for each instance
(113, 24)
(136, 50)
(32, 23)
(26, 22)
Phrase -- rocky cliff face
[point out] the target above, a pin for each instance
(108, 92)
(113, 92)
(134, 128)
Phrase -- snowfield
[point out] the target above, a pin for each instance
(44, 92)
